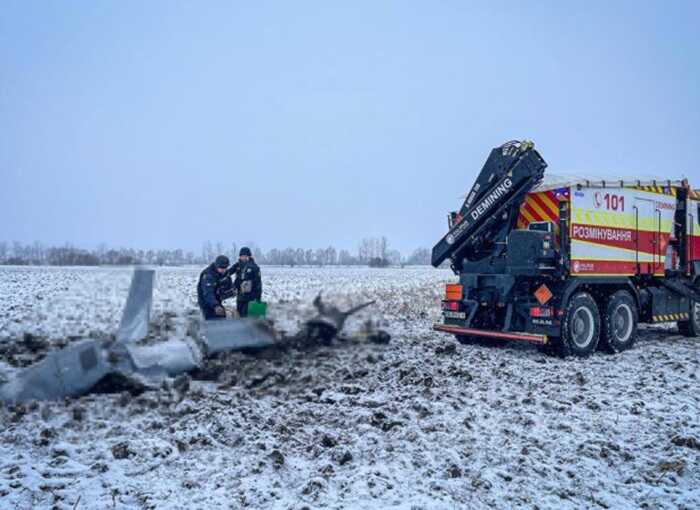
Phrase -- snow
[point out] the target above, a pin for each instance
(420, 423)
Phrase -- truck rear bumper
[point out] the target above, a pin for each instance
(525, 337)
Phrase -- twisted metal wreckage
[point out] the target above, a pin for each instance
(78, 368)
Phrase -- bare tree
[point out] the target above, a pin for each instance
(208, 251)
(419, 257)
(393, 257)
(364, 252)
(345, 258)
(383, 247)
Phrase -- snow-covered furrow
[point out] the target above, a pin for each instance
(59, 304)
(420, 423)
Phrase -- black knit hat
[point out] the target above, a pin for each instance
(245, 251)
(222, 261)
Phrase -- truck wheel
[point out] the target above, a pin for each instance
(691, 327)
(620, 322)
(580, 329)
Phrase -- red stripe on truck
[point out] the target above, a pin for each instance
(543, 206)
(547, 206)
(457, 330)
(612, 267)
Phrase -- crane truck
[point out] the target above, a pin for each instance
(571, 264)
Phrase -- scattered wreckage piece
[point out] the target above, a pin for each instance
(76, 369)
(84, 365)
(326, 325)
(137, 312)
(230, 335)
(68, 372)
(169, 358)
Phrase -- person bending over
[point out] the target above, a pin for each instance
(213, 287)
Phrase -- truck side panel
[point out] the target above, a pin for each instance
(619, 231)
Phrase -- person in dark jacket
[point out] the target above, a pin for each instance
(214, 286)
(247, 283)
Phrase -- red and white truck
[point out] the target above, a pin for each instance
(572, 263)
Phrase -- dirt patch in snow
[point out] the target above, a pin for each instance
(420, 422)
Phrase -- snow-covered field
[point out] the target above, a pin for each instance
(420, 423)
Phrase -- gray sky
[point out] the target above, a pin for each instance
(164, 124)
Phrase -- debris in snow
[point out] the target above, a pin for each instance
(379, 337)
(674, 466)
(518, 425)
(121, 450)
(277, 458)
(328, 441)
(78, 413)
(92, 364)
(454, 471)
(687, 442)
(326, 325)
(181, 384)
(343, 458)
(446, 348)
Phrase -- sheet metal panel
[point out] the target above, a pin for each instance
(70, 372)
(615, 231)
(232, 334)
(137, 312)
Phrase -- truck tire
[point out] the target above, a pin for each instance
(580, 328)
(619, 330)
(691, 328)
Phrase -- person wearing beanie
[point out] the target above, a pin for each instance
(213, 287)
(247, 283)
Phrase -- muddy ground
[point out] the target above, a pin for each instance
(421, 422)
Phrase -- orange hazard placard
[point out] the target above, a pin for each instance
(453, 292)
(543, 294)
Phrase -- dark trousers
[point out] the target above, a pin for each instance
(242, 307)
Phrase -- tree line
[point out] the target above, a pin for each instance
(374, 252)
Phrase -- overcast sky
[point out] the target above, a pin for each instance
(164, 124)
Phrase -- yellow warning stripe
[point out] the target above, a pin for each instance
(620, 220)
(538, 207)
(538, 210)
(671, 317)
(527, 215)
(549, 203)
(657, 189)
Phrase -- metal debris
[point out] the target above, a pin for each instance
(230, 335)
(137, 312)
(78, 368)
(325, 326)
(65, 373)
